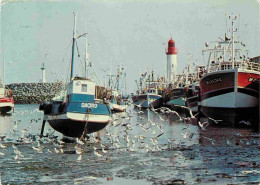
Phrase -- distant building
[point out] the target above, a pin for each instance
(43, 74)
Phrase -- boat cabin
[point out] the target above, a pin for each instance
(81, 90)
(153, 91)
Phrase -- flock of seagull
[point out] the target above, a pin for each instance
(123, 134)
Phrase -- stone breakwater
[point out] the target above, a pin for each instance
(29, 93)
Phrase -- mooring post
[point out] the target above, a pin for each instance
(43, 125)
(99, 136)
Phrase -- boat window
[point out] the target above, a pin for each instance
(84, 87)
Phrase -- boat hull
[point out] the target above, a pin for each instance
(6, 105)
(157, 103)
(192, 103)
(75, 128)
(175, 99)
(72, 119)
(118, 106)
(233, 116)
(231, 96)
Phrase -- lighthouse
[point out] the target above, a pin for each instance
(171, 61)
(43, 73)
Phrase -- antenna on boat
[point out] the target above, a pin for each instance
(233, 42)
(73, 46)
(86, 58)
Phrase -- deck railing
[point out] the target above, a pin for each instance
(241, 65)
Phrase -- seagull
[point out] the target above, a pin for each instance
(14, 146)
(97, 154)
(39, 150)
(174, 112)
(79, 151)
(215, 121)
(104, 151)
(18, 152)
(203, 125)
(2, 138)
(79, 158)
(56, 150)
(228, 142)
(244, 122)
(2, 146)
(184, 135)
(131, 149)
(160, 117)
(78, 141)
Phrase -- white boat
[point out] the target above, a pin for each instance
(230, 89)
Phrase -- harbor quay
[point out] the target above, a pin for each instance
(31, 93)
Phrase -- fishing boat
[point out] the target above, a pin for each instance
(147, 95)
(117, 102)
(192, 91)
(80, 113)
(6, 100)
(181, 90)
(192, 97)
(230, 90)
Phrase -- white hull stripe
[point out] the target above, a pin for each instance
(7, 104)
(231, 100)
(80, 117)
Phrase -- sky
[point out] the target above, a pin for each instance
(130, 33)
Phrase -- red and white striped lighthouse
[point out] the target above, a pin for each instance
(171, 61)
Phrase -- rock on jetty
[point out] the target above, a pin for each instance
(29, 93)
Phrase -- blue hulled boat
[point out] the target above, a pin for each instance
(146, 96)
(80, 113)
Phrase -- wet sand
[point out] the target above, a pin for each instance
(138, 148)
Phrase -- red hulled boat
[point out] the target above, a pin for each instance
(230, 89)
(6, 100)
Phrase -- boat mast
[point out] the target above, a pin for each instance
(86, 59)
(149, 80)
(118, 77)
(73, 46)
(233, 43)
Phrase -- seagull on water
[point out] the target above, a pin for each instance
(97, 154)
(79, 158)
(2, 146)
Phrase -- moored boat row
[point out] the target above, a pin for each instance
(227, 89)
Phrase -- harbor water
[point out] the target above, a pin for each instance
(137, 147)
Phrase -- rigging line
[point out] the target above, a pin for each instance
(238, 29)
(62, 61)
(77, 48)
(226, 23)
